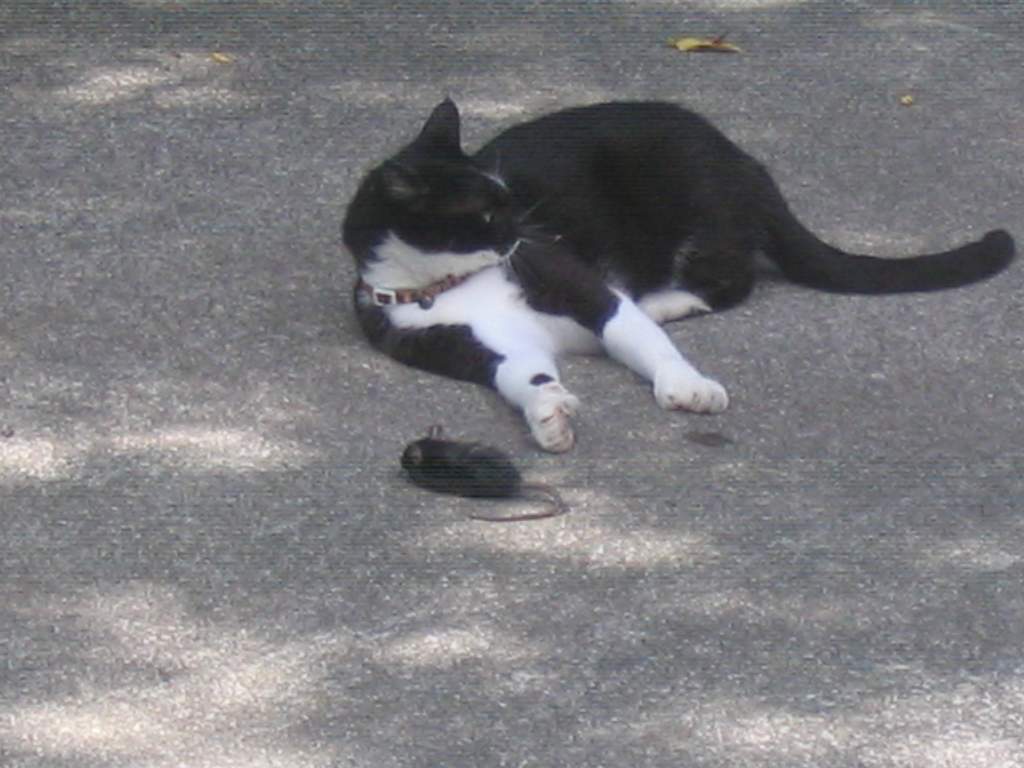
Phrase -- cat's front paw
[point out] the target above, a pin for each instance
(549, 416)
(677, 386)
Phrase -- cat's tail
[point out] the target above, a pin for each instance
(806, 259)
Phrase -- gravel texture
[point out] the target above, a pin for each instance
(209, 558)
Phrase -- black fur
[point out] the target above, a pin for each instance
(473, 470)
(644, 191)
(432, 196)
(643, 196)
(628, 185)
(556, 282)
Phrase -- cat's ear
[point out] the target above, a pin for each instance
(441, 131)
(399, 182)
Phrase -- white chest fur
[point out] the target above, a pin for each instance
(493, 306)
(400, 265)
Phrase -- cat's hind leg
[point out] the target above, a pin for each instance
(634, 339)
(719, 268)
(672, 304)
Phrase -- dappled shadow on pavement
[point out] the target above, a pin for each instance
(208, 555)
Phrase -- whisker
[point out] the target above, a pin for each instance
(494, 175)
(526, 214)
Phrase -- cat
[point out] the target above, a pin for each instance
(585, 230)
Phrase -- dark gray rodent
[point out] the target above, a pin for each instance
(474, 470)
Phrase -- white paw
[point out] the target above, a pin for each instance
(665, 306)
(677, 386)
(548, 415)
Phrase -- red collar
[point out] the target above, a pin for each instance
(383, 297)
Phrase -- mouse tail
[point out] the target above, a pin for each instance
(554, 506)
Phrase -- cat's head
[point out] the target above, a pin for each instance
(430, 200)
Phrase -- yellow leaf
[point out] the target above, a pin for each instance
(698, 44)
(907, 101)
(221, 58)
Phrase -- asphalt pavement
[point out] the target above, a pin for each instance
(208, 556)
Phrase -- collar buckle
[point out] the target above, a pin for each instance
(382, 297)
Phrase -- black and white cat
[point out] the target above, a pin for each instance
(585, 230)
